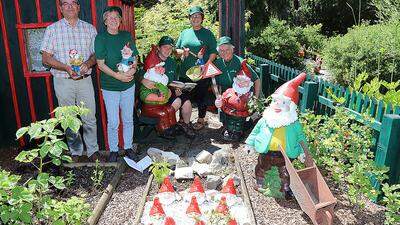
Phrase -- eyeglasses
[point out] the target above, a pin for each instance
(196, 16)
(66, 4)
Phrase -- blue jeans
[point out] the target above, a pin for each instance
(114, 101)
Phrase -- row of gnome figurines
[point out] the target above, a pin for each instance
(193, 210)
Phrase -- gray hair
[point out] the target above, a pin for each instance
(60, 2)
(232, 47)
(105, 14)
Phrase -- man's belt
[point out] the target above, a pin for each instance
(80, 77)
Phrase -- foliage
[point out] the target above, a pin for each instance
(281, 43)
(379, 89)
(170, 17)
(342, 146)
(387, 10)
(160, 170)
(257, 105)
(372, 49)
(31, 202)
(272, 183)
(392, 202)
(97, 175)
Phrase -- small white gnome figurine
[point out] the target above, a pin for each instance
(127, 59)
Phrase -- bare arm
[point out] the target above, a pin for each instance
(148, 83)
(49, 60)
(124, 77)
(212, 57)
(257, 87)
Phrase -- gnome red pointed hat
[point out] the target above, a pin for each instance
(222, 206)
(193, 207)
(152, 58)
(290, 88)
(229, 187)
(244, 70)
(196, 186)
(200, 222)
(232, 222)
(166, 186)
(157, 209)
(169, 221)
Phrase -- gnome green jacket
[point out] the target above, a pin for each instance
(261, 135)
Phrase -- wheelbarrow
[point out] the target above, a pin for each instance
(311, 191)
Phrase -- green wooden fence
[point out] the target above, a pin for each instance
(314, 96)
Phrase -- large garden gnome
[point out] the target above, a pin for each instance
(156, 99)
(234, 103)
(278, 128)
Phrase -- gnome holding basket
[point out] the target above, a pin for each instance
(279, 132)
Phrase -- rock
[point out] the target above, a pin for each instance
(201, 169)
(220, 161)
(204, 157)
(184, 173)
(181, 163)
(159, 155)
(236, 179)
(213, 181)
(191, 160)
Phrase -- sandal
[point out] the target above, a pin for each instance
(199, 125)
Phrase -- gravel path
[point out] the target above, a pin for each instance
(125, 200)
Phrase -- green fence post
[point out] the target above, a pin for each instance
(265, 79)
(310, 95)
(388, 150)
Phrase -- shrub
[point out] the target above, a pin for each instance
(387, 9)
(373, 49)
(170, 17)
(281, 43)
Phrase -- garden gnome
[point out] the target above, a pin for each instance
(197, 190)
(156, 99)
(193, 209)
(157, 210)
(127, 59)
(166, 193)
(234, 104)
(279, 128)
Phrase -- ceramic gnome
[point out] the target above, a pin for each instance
(75, 60)
(278, 128)
(234, 104)
(155, 99)
(127, 59)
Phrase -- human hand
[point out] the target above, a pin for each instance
(178, 92)
(131, 71)
(249, 149)
(84, 68)
(218, 102)
(302, 158)
(71, 73)
(124, 77)
(186, 52)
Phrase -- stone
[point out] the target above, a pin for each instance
(212, 182)
(181, 163)
(184, 173)
(219, 162)
(159, 155)
(201, 169)
(236, 179)
(191, 160)
(204, 157)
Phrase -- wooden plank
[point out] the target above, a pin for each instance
(397, 110)
(359, 102)
(347, 95)
(380, 111)
(373, 107)
(388, 108)
(143, 200)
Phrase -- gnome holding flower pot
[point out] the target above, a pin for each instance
(278, 132)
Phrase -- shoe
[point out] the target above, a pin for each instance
(227, 136)
(236, 136)
(187, 130)
(76, 158)
(94, 157)
(178, 130)
(199, 125)
(289, 194)
(113, 157)
(168, 134)
(132, 154)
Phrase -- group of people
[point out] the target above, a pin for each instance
(71, 47)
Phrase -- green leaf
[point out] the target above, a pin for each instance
(56, 161)
(21, 131)
(66, 158)
(59, 222)
(25, 217)
(44, 150)
(56, 150)
(43, 179)
(35, 130)
(4, 214)
(62, 145)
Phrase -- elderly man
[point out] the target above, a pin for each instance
(67, 48)
(151, 95)
(236, 82)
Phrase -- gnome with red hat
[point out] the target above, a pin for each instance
(237, 83)
(278, 129)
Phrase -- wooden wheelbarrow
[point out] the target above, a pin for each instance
(311, 191)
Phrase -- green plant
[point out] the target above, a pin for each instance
(31, 202)
(374, 49)
(97, 176)
(342, 146)
(272, 183)
(387, 10)
(257, 105)
(69, 180)
(160, 170)
(392, 202)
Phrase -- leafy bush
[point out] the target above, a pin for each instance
(387, 10)
(281, 43)
(160, 170)
(31, 202)
(170, 17)
(392, 202)
(373, 49)
(343, 148)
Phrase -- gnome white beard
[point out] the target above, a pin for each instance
(241, 90)
(280, 119)
(152, 75)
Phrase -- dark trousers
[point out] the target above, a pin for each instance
(199, 95)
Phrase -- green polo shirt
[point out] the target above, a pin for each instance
(229, 71)
(195, 40)
(108, 47)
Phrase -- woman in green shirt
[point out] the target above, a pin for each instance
(118, 88)
(191, 42)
